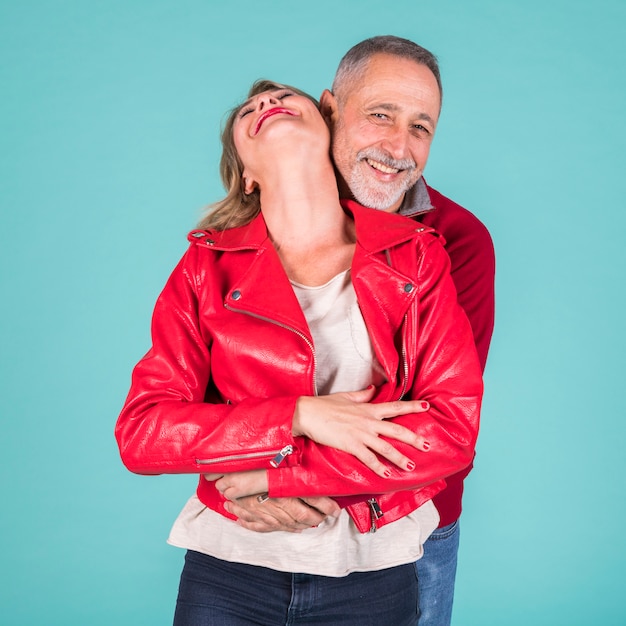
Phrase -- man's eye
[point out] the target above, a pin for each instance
(380, 116)
(421, 128)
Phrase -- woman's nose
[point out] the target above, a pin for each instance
(265, 100)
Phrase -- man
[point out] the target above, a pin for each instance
(383, 111)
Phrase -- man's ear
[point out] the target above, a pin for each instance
(329, 108)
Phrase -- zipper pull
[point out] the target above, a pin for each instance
(376, 513)
(280, 457)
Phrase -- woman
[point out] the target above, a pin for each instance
(283, 343)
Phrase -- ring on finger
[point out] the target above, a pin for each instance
(262, 498)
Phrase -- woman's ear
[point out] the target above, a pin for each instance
(249, 185)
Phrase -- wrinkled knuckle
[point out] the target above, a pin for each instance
(270, 524)
(259, 528)
(368, 457)
(386, 448)
(362, 448)
(397, 430)
(302, 520)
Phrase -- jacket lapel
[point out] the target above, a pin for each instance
(258, 284)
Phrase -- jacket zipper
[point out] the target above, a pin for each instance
(405, 365)
(289, 328)
(375, 513)
(279, 456)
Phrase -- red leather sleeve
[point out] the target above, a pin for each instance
(166, 424)
(471, 251)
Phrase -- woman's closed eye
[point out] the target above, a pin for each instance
(245, 111)
(249, 109)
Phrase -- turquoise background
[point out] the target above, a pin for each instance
(109, 117)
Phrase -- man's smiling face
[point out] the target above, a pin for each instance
(383, 122)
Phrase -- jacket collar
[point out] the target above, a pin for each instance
(248, 237)
(384, 292)
(378, 230)
(375, 231)
(417, 200)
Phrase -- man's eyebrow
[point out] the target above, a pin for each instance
(426, 118)
(394, 108)
(386, 106)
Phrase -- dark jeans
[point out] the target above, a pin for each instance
(218, 593)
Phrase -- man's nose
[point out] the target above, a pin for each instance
(395, 142)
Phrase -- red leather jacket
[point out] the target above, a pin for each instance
(232, 353)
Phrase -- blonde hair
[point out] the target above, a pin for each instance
(238, 207)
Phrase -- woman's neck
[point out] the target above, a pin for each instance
(310, 231)
(300, 204)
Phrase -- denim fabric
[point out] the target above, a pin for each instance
(218, 593)
(436, 571)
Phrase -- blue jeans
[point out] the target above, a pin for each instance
(218, 593)
(436, 571)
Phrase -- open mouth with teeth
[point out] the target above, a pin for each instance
(381, 167)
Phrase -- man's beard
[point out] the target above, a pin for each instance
(374, 193)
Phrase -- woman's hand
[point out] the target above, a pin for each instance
(349, 422)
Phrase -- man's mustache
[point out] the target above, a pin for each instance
(382, 157)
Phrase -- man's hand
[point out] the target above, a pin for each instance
(288, 514)
(247, 500)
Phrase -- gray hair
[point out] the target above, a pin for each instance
(359, 55)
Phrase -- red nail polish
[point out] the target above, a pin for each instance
(410, 466)
(426, 446)
(425, 405)
(387, 473)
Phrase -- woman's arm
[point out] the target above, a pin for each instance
(351, 423)
(168, 425)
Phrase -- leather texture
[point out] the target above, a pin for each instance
(231, 353)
